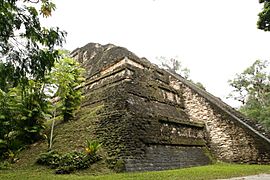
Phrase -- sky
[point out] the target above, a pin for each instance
(215, 39)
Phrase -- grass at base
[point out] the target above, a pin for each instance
(216, 171)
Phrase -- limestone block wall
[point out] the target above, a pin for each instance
(227, 140)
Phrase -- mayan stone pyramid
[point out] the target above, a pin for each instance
(152, 119)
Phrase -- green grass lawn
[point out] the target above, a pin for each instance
(203, 172)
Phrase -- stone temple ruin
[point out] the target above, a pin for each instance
(153, 119)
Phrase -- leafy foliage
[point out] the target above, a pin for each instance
(67, 75)
(24, 44)
(27, 53)
(92, 147)
(23, 110)
(264, 16)
(174, 65)
(4, 165)
(51, 158)
(67, 163)
(252, 88)
(7, 76)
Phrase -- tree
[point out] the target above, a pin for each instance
(252, 83)
(24, 43)
(252, 89)
(174, 65)
(263, 22)
(7, 76)
(27, 54)
(23, 111)
(67, 76)
(25, 108)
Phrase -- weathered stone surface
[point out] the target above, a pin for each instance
(152, 119)
(229, 139)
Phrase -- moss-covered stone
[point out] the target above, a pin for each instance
(150, 116)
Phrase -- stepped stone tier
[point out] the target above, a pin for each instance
(152, 119)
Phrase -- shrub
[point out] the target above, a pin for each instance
(4, 165)
(72, 159)
(68, 162)
(23, 110)
(92, 147)
(51, 158)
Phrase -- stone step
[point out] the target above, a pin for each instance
(147, 166)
